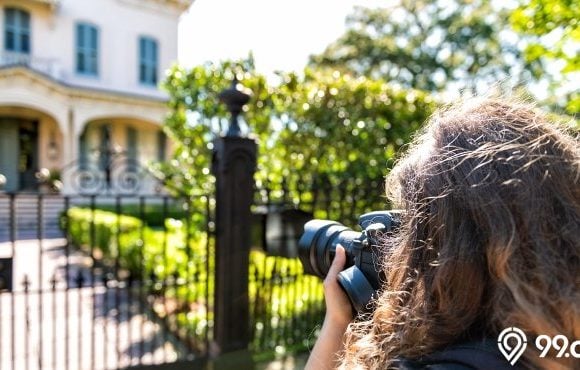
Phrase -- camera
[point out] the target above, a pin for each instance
(361, 277)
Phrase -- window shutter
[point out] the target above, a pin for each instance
(16, 30)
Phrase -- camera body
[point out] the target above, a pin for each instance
(362, 277)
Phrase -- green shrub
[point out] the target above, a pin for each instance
(135, 246)
(152, 214)
(285, 304)
(105, 234)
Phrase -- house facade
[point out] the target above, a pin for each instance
(79, 95)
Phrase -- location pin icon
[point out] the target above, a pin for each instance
(512, 352)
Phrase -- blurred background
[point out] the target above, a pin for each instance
(127, 240)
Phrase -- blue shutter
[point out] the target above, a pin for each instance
(153, 62)
(93, 42)
(87, 49)
(142, 66)
(80, 56)
(148, 61)
(16, 30)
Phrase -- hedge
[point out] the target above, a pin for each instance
(284, 302)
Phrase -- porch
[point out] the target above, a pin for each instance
(55, 137)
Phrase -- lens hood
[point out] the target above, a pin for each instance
(309, 250)
(357, 288)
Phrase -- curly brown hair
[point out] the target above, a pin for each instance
(490, 237)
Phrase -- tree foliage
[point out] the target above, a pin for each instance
(347, 114)
(544, 17)
(321, 123)
(338, 124)
(196, 118)
(554, 26)
(429, 45)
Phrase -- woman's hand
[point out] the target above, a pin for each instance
(339, 314)
(339, 311)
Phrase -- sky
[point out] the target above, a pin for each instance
(281, 34)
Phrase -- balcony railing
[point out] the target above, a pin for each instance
(50, 67)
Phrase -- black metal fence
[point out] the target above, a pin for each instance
(329, 197)
(109, 282)
(103, 282)
(287, 306)
(282, 207)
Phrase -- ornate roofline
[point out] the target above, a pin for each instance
(184, 4)
(179, 5)
(53, 4)
(80, 91)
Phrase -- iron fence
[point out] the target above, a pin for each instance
(287, 306)
(92, 282)
(341, 198)
(121, 281)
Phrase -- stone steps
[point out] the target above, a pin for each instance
(28, 216)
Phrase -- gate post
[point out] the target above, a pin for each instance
(234, 164)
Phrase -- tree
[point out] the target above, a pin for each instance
(196, 117)
(353, 126)
(322, 127)
(342, 133)
(554, 26)
(429, 45)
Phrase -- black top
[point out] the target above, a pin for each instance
(465, 356)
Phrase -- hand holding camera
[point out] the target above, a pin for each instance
(362, 277)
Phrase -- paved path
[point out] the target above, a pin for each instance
(291, 362)
(60, 322)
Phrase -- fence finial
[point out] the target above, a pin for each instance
(235, 97)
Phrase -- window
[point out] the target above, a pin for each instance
(83, 151)
(148, 61)
(105, 147)
(87, 49)
(16, 30)
(132, 155)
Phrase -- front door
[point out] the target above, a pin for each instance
(19, 154)
(28, 155)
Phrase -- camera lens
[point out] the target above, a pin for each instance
(361, 276)
(317, 246)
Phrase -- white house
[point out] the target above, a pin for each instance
(79, 88)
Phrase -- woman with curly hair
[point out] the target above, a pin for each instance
(489, 239)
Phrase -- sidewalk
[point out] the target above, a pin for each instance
(57, 322)
(290, 362)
